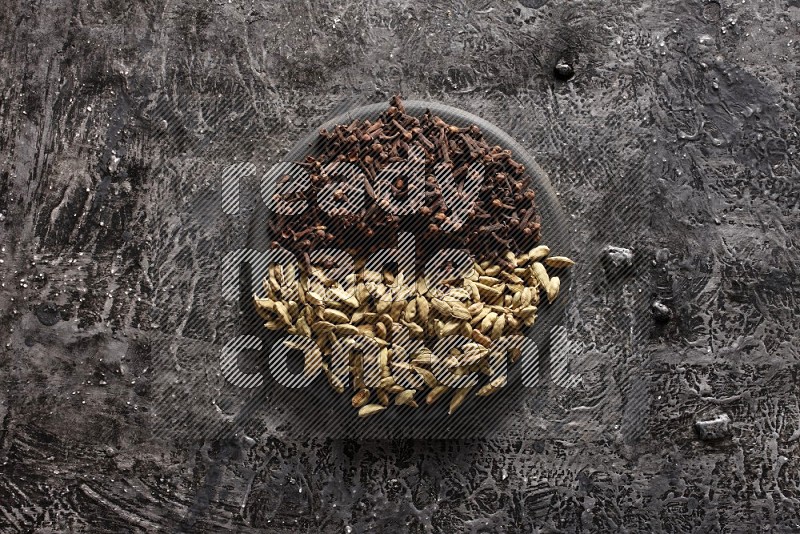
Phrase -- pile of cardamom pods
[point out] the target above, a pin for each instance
(493, 300)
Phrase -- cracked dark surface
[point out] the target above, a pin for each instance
(688, 111)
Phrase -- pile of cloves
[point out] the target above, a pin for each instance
(497, 204)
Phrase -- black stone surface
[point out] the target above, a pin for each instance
(709, 90)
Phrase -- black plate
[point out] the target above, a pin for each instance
(319, 411)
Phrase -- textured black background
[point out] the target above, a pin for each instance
(680, 122)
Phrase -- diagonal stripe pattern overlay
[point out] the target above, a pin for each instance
(219, 372)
